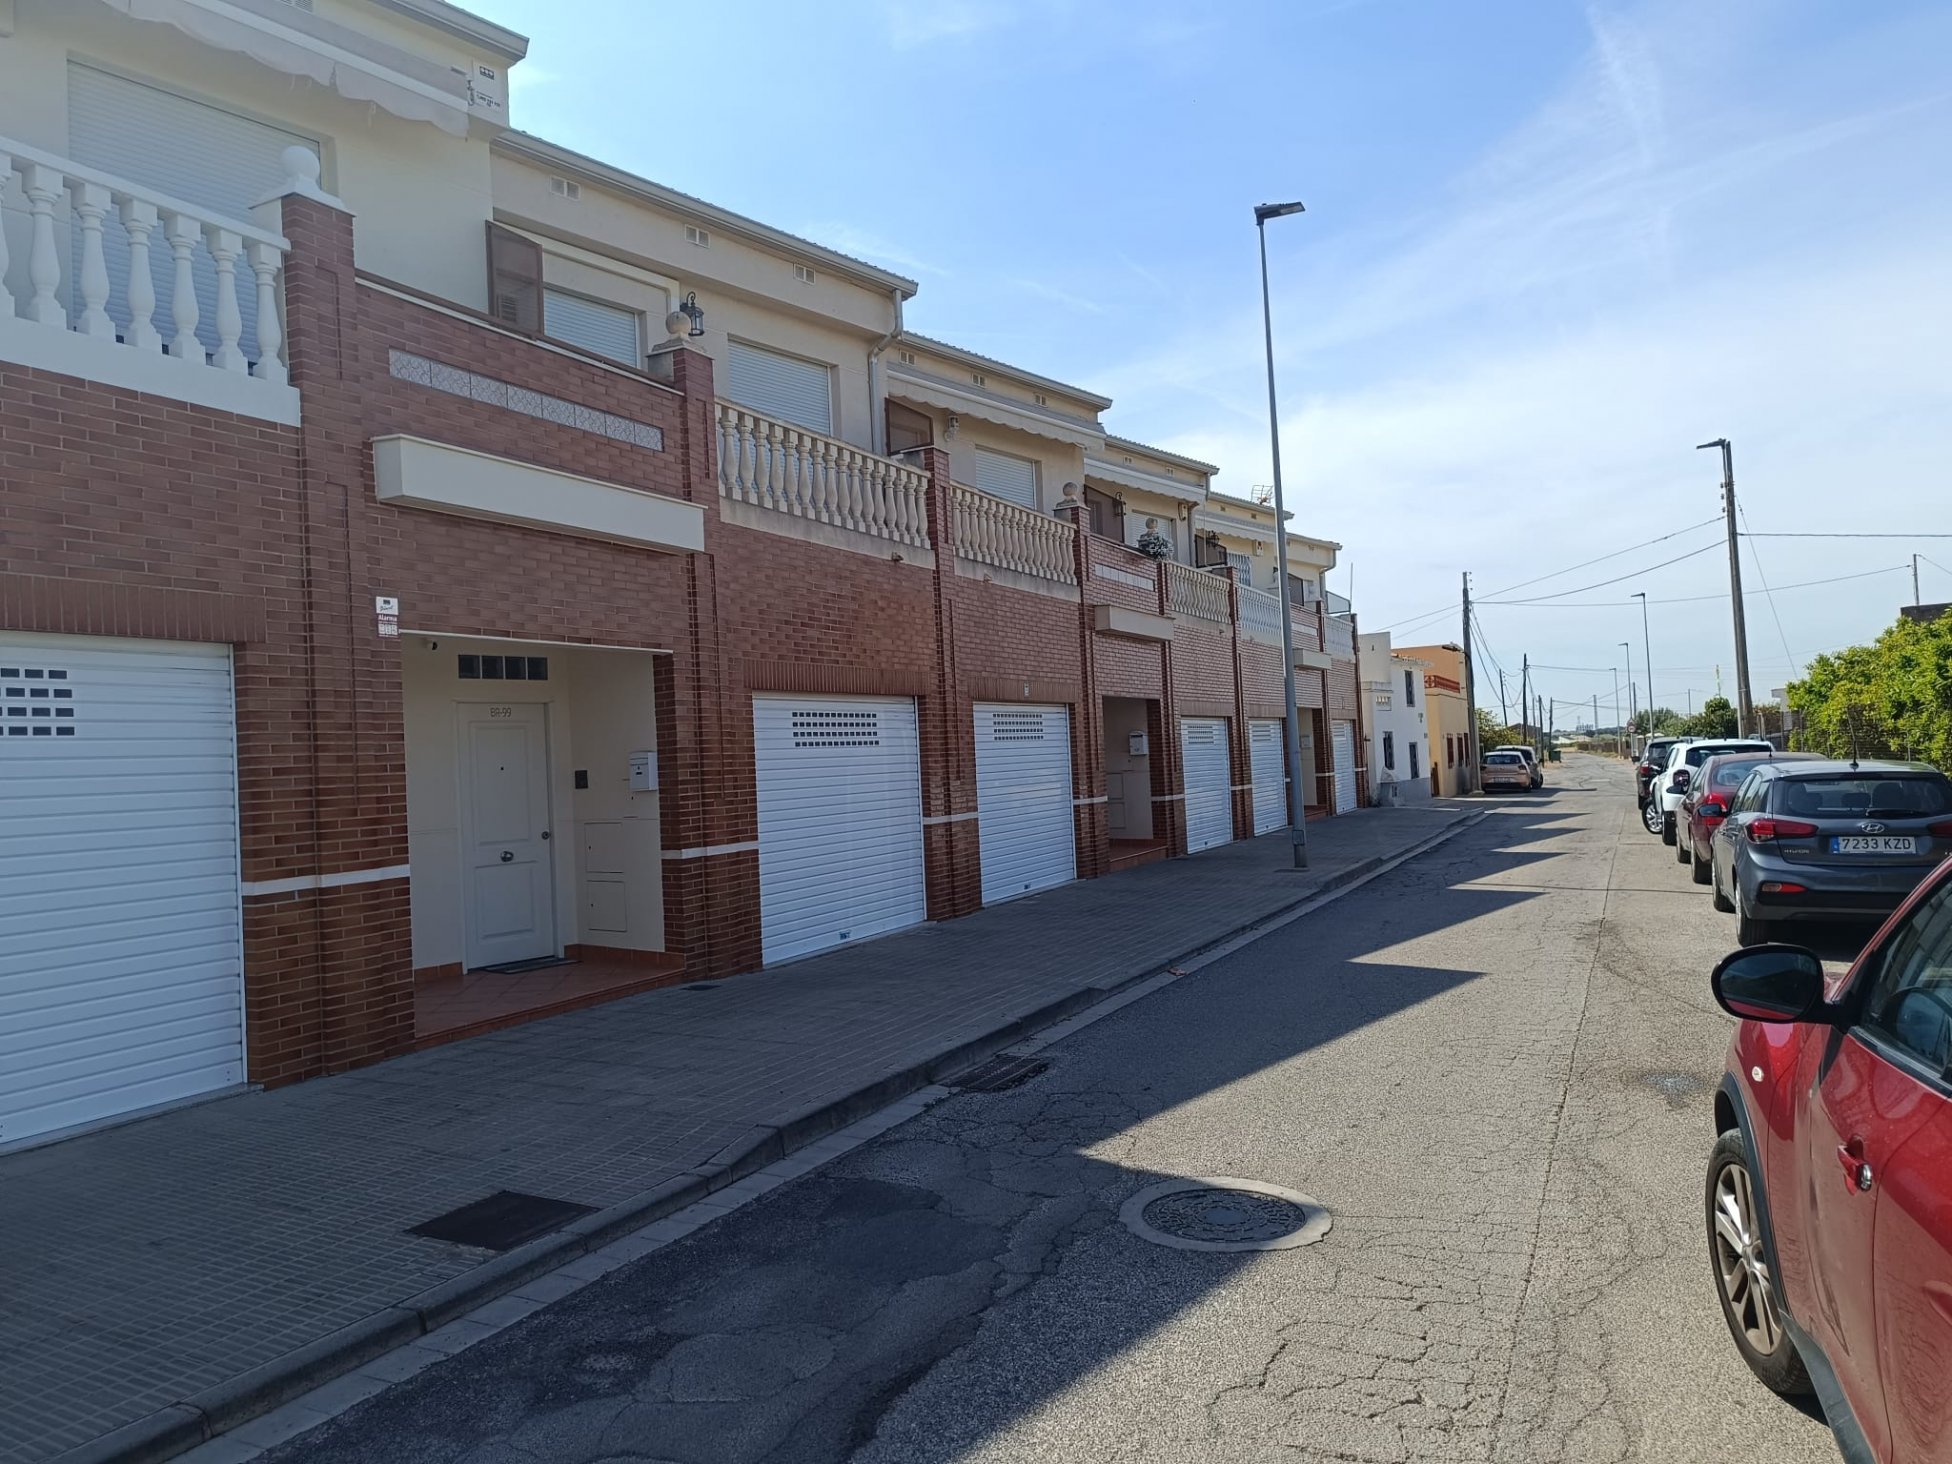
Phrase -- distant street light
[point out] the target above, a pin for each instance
(1297, 795)
(1645, 641)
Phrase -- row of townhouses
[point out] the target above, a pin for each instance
(429, 555)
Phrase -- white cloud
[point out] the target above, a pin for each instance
(916, 23)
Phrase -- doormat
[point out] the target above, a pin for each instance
(501, 1222)
(534, 963)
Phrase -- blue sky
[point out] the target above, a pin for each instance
(1549, 248)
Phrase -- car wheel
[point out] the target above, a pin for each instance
(1744, 1280)
(1667, 829)
(1749, 931)
(1682, 847)
(1697, 868)
(1722, 902)
(1651, 816)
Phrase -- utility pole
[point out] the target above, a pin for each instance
(1470, 695)
(1524, 691)
(1914, 580)
(1620, 736)
(1504, 709)
(1745, 710)
(1596, 716)
(1647, 640)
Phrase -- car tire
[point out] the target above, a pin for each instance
(1651, 817)
(1668, 833)
(1682, 847)
(1744, 1279)
(1721, 901)
(1697, 869)
(1749, 931)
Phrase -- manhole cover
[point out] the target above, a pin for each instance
(1224, 1215)
(502, 1221)
(998, 1075)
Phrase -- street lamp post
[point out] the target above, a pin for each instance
(1619, 738)
(1648, 644)
(1297, 796)
(1632, 711)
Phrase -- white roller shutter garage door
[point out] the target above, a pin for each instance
(1209, 797)
(1270, 781)
(1342, 737)
(1023, 799)
(840, 820)
(121, 956)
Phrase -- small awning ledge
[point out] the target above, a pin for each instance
(357, 67)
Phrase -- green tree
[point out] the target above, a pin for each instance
(1892, 698)
(1664, 721)
(1715, 719)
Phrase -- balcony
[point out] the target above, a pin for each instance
(785, 479)
(1003, 541)
(132, 288)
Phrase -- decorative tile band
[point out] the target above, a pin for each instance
(1120, 576)
(478, 388)
(298, 884)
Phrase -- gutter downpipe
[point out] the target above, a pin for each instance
(877, 428)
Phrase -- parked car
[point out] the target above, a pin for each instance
(1834, 1147)
(1507, 770)
(1828, 840)
(1683, 759)
(1653, 758)
(1531, 760)
(1710, 792)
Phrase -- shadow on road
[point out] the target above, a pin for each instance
(788, 1330)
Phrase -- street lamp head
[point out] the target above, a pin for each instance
(1718, 442)
(1265, 211)
(1639, 594)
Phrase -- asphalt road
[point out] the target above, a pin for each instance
(1493, 1065)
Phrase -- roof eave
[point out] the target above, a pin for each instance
(510, 45)
(588, 169)
(1029, 378)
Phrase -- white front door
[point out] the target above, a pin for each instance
(1023, 799)
(1270, 780)
(840, 820)
(1342, 738)
(1209, 784)
(505, 832)
(121, 963)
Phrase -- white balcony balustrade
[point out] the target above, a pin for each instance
(158, 290)
(1007, 536)
(790, 470)
(1260, 615)
(1196, 592)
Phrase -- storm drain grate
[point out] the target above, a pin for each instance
(533, 963)
(503, 1221)
(998, 1074)
(1224, 1215)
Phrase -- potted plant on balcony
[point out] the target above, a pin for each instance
(1153, 544)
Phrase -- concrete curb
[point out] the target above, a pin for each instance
(212, 1411)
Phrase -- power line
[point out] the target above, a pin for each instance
(1788, 654)
(1747, 535)
(1570, 569)
(1698, 599)
(1602, 584)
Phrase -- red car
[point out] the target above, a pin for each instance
(1710, 792)
(1829, 1196)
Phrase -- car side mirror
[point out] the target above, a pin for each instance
(1682, 777)
(1770, 983)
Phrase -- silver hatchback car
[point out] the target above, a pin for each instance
(1828, 840)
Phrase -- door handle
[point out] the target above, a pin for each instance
(545, 834)
(508, 856)
(1857, 1170)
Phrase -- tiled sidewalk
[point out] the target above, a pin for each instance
(144, 1263)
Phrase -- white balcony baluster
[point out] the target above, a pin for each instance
(6, 295)
(139, 222)
(183, 232)
(91, 203)
(786, 469)
(224, 249)
(265, 264)
(43, 188)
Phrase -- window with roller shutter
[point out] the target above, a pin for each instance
(1011, 478)
(788, 388)
(592, 325)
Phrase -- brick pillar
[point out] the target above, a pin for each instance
(1091, 831)
(1162, 732)
(708, 806)
(348, 741)
(1240, 754)
(952, 853)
